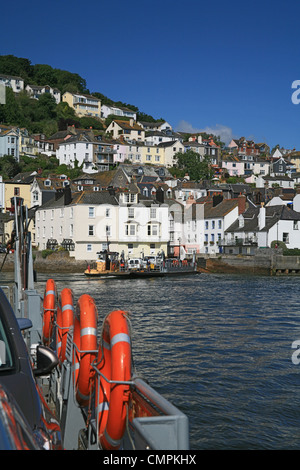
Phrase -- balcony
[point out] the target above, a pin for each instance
(248, 241)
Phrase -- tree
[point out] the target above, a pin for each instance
(9, 167)
(190, 162)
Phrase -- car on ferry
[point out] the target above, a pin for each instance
(136, 264)
(18, 376)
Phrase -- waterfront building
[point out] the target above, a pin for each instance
(91, 221)
(258, 227)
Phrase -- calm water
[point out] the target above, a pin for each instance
(218, 347)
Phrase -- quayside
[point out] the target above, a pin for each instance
(83, 369)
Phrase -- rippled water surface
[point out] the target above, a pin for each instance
(219, 347)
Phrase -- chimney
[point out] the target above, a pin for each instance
(160, 195)
(262, 217)
(217, 199)
(241, 203)
(67, 196)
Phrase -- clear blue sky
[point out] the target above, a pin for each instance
(224, 67)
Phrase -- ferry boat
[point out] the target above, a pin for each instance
(85, 393)
(108, 264)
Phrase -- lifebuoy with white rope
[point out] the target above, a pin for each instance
(85, 347)
(49, 310)
(64, 320)
(114, 362)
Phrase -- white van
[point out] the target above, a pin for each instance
(136, 264)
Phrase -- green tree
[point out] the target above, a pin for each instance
(190, 162)
(9, 167)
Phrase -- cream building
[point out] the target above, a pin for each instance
(84, 105)
(94, 221)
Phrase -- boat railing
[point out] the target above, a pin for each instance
(177, 265)
(144, 430)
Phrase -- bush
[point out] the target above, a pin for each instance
(46, 253)
(291, 252)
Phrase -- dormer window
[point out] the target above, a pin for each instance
(47, 182)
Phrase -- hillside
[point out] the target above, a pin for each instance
(43, 115)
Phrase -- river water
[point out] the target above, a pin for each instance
(219, 347)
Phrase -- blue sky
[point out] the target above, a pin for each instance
(222, 67)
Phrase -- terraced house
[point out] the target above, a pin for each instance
(91, 221)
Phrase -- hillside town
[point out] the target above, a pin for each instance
(128, 197)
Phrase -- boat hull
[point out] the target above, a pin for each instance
(138, 274)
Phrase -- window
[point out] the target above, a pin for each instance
(152, 230)
(91, 212)
(285, 237)
(52, 214)
(71, 212)
(130, 229)
(16, 191)
(219, 223)
(107, 212)
(295, 225)
(212, 224)
(152, 213)
(107, 230)
(91, 230)
(71, 230)
(130, 213)
(35, 196)
(206, 225)
(89, 247)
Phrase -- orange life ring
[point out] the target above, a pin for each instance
(49, 307)
(64, 320)
(114, 362)
(85, 350)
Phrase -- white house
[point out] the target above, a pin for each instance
(15, 83)
(80, 149)
(260, 226)
(106, 110)
(35, 91)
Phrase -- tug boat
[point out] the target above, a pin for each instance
(83, 367)
(108, 265)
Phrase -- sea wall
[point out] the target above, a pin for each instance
(237, 264)
(56, 262)
(264, 262)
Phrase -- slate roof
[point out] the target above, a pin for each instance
(273, 214)
(220, 210)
